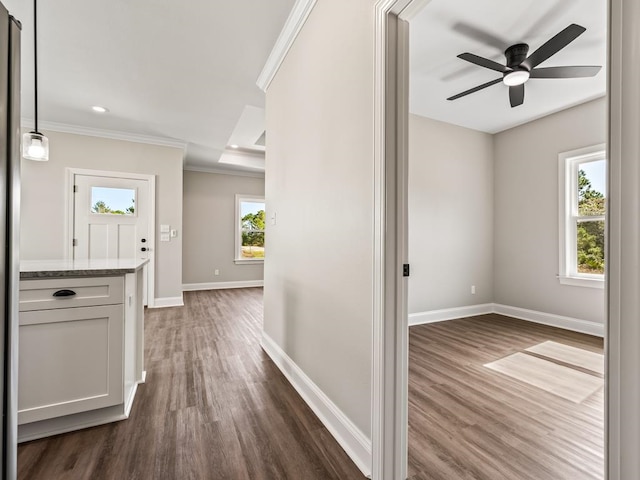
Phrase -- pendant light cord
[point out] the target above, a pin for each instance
(35, 61)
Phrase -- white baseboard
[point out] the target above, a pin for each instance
(168, 302)
(449, 314)
(128, 402)
(70, 423)
(559, 321)
(350, 437)
(567, 323)
(190, 287)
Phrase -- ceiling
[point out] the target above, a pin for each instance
(446, 28)
(173, 70)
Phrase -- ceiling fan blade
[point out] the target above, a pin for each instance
(516, 95)
(483, 62)
(554, 45)
(565, 72)
(475, 89)
(479, 35)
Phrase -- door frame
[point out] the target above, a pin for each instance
(390, 330)
(151, 233)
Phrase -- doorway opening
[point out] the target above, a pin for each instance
(499, 348)
(392, 112)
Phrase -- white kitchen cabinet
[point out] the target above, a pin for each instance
(80, 349)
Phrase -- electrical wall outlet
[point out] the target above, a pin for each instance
(216, 272)
(473, 289)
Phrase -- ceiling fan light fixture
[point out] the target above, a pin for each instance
(515, 78)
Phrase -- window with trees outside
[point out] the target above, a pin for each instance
(250, 218)
(113, 201)
(583, 187)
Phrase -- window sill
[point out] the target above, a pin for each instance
(582, 281)
(248, 261)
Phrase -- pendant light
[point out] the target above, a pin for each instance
(35, 146)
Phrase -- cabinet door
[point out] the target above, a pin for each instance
(70, 361)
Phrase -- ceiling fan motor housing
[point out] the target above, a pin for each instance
(516, 54)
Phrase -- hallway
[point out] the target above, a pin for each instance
(214, 406)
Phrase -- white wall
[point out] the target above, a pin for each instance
(450, 215)
(210, 225)
(318, 272)
(526, 212)
(44, 207)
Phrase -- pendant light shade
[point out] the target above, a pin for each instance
(35, 146)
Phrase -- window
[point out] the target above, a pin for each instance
(250, 222)
(113, 201)
(583, 194)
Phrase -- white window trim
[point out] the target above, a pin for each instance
(238, 254)
(567, 163)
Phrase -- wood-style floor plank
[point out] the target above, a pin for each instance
(214, 406)
(469, 422)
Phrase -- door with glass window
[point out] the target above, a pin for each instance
(111, 219)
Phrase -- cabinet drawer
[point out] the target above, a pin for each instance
(39, 294)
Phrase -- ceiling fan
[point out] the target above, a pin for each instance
(520, 68)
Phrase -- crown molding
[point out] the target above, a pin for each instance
(220, 171)
(298, 16)
(111, 134)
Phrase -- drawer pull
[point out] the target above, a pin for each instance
(64, 293)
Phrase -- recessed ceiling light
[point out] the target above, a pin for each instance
(234, 146)
(99, 109)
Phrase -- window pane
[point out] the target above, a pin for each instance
(591, 188)
(253, 221)
(115, 201)
(590, 247)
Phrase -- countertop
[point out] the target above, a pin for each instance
(78, 268)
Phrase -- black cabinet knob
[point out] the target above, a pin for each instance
(143, 240)
(143, 249)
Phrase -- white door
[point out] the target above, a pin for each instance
(111, 219)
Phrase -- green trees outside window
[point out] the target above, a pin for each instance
(101, 207)
(253, 235)
(590, 233)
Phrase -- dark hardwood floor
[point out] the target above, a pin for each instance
(469, 422)
(214, 407)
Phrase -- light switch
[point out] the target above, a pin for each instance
(174, 233)
(165, 228)
(164, 237)
(273, 218)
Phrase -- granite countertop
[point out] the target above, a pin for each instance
(78, 268)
